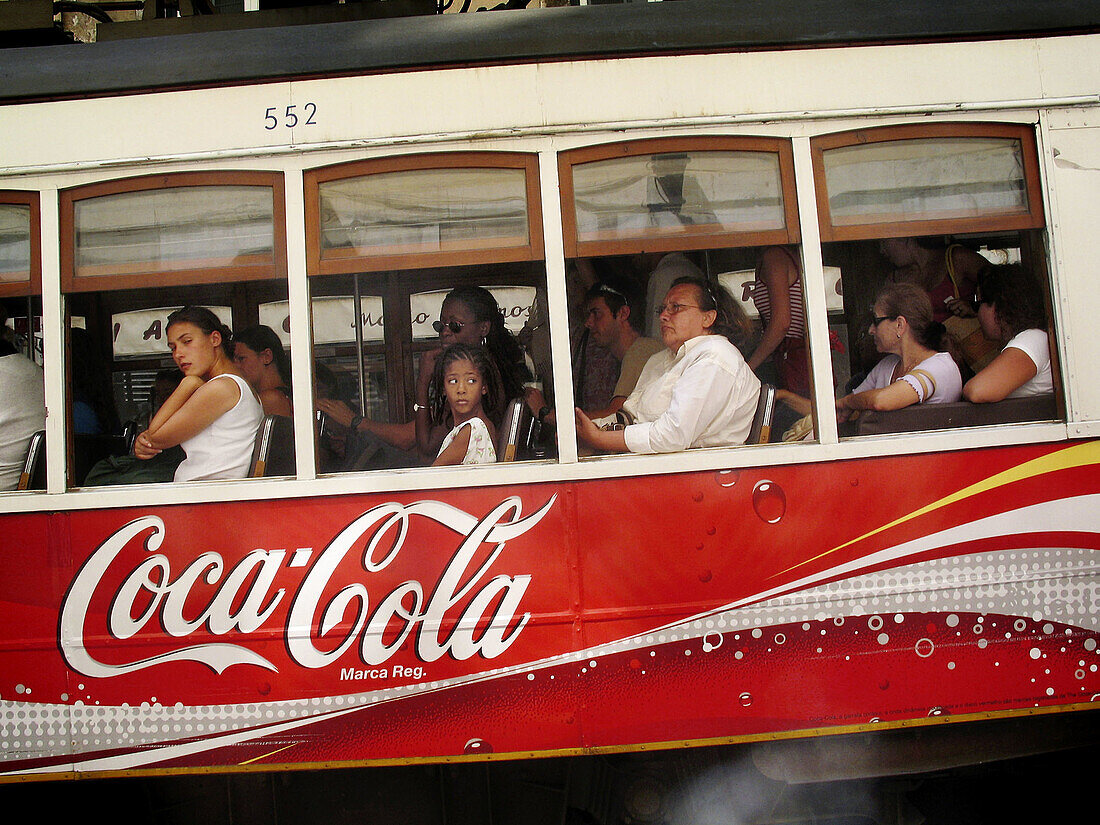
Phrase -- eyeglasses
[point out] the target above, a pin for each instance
(673, 309)
(878, 319)
(453, 326)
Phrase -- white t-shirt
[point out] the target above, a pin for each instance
(704, 395)
(22, 414)
(936, 379)
(224, 449)
(1035, 344)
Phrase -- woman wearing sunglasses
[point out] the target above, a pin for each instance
(1010, 308)
(470, 315)
(914, 370)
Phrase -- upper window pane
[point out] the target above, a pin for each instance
(172, 229)
(19, 245)
(680, 194)
(422, 209)
(15, 243)
(930, 179)
(183, 229)
(927, 180)
(677, 192)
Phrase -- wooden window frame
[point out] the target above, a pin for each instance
(33, 285)
(139, 278)
(461, 255)
(1025, 133)
(700, 238)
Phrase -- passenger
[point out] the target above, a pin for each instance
(470, 315)
(261, 359)
(777, 294)
(466, 393)
(22, 408)
(663, 269)
(1010, 308)
(613, 313)
(948, 273)
(698, 391)
(914, 371)
(213, 413)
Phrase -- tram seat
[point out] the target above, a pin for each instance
(761, 429)
(33, 476)
(959, 414)
(129, 434)
(515, 430)
(89, 449)
(273, 454)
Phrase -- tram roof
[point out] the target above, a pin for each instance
(270, 52)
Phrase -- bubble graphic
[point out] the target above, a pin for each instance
(727, 478)
(745, 699)
(712, 641)
(636, 665)
(1035, 653)
(705, 576)
(936, 711)
(875, 623)
(769, 501)
(924, 648)
(476, 745)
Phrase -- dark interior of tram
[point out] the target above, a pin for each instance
(1019, 770)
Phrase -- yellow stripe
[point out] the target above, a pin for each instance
(1079, 455)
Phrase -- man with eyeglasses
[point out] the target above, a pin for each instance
(612, 312)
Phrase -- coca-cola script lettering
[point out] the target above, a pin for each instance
(462, 614)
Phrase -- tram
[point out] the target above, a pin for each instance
(928, 569)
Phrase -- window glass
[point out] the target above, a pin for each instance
(423, 210)
(133, 252)
(924, 225)
(15, 243)
(174, 228)
(22, 403)
(665, 193)
(925, 179)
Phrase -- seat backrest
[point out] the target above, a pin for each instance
(515, 429)
(33, 476)
(761, 430)
(273, 452)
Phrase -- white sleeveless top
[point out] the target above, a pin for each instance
(224, 449)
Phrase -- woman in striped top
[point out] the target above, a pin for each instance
(777, 294)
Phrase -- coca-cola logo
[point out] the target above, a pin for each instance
(465, 612)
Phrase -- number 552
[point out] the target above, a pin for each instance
(290, 117)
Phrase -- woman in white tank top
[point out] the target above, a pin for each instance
(213, 413)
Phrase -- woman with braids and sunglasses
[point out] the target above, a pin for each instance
(470, 315)
(698, 391)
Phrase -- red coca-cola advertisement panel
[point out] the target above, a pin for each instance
(550, 617)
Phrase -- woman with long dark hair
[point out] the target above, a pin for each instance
(259, 355)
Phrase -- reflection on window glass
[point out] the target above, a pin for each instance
(424, 210)
(626, 357)
(176, 228)
(671, 192)
(925, 179)
(515, 303)
(15, 243)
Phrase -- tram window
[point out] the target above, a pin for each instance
(388, 240)
(22, 407)
(133, 252)
(915, 219)
(639, 216)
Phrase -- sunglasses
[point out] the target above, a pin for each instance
(453, 326)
